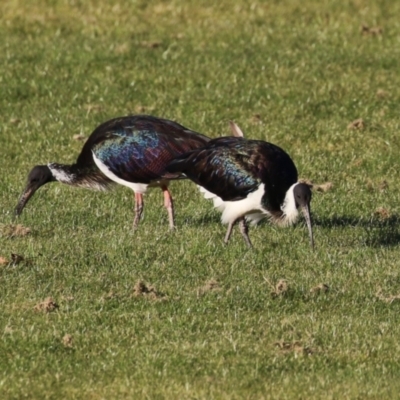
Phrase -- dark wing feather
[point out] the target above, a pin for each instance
(233, 167)
(220, 169)
(130, 125)
(137, 149)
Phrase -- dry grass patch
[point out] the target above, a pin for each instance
(110, 295)
(294, 347)
(151, 45)
(382, 213)
(93, 107)
(140, 109)
(79, 137)
(12, 231)
(210, 286)
(320, 288)
(387, 299)
(47, 305)
(381, 186)
(280, 288)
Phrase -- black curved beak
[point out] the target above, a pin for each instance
(307, 215)
(24, 198)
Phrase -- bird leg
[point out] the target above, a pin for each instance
(138, 209)
(244, 230)
(169, 205)
(229, 232)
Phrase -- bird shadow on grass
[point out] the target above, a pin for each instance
(202, 220)
(378, 232)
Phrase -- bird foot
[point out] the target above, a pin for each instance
(244, 230)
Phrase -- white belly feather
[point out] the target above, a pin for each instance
(232, 210)
(252, 209)
(136, 187)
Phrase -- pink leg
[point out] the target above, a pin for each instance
(169, 205)
(138, 209)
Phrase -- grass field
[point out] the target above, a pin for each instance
(217, 323)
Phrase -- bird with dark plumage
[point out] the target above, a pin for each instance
(247, 180)
(132, 151)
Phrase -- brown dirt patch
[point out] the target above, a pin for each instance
(320, 288)
(47, 305)
(140, 109)
(12, 231)
(295, 346)
(371, 31)
(14, 259)
(356, 124)
(141, 289)
(256, 119)
(79, 137)
(67, 340)
(4, 261)
(382, 186)
(381, 93)
(322, 187)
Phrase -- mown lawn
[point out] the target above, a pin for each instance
(218, 321)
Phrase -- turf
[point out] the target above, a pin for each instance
(214, 323)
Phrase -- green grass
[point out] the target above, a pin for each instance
(307, 71)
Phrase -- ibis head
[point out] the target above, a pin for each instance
(39, 176)
(302, 197)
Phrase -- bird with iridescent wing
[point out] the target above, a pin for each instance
(132, 151)
(247, 180)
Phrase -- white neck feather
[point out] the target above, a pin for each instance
(63, 174)
(289, 209)
(59, 174)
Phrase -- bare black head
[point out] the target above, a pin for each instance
(39, 176)
(302, 197)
